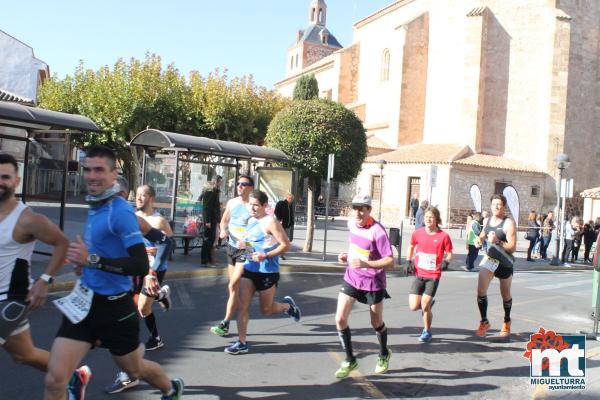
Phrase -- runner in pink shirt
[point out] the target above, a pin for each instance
(369, 252)
(428, 245)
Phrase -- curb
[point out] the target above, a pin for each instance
(327, 268)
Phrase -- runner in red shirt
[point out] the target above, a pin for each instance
(431, 243)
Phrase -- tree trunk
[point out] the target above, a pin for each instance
(310, 215)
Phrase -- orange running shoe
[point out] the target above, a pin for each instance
(483, 328)
(505, 331)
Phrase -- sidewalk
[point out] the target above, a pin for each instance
(183, 266)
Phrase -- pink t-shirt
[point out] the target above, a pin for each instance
(429, 252)
(367, 244)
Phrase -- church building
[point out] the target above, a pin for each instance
(456, 93)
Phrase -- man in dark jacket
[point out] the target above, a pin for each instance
(211, 214)
(284, 212)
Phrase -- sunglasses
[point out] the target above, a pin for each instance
(245, 184)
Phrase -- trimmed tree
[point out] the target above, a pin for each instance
(309, 130)
(306, 88)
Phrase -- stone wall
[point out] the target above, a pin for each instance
(462, 178)
(414, 81)
(349, 74)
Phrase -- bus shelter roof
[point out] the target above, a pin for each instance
(162, 140)
(32, 118)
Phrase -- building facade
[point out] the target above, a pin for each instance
(487, 91)
(21, 74)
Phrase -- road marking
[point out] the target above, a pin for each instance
(360, 379)
(560, 285)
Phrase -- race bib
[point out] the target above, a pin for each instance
(489, 263)
(357, 253)
(237, 232)
(427, 261)
(76, 305)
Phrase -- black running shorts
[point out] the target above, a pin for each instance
(112, 323)
(262, 281)
(235, 255)
(503, 272)
(13, 319)
(428, 286)
(364, 296)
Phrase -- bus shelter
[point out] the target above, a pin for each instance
(180, 167)
(40, 140)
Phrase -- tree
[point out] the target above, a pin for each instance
(306, 88)
(309, 130)
(132, 96)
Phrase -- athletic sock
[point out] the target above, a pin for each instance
(382, 339)
(507, 306)
(346, 340)
(482, 303)
(151, 324)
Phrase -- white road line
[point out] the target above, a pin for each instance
(561, 285)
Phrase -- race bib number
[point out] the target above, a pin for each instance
(490, 264)
(237, 232)
(357, 253)
(76, 305)
(427, 261)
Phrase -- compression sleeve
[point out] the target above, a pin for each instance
(135, 264)
(156, 236)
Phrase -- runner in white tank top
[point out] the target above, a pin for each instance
(19, 229)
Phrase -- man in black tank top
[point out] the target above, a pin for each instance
(500, 234)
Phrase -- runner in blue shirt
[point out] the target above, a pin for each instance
(100, 311)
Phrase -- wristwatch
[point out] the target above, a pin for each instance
(49, 279)
(93, 259)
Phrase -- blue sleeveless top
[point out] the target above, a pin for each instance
(261, 242)
(238, 223)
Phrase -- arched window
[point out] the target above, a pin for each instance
(385, 65)
(292, 62)
(296, 60)
(320, 15)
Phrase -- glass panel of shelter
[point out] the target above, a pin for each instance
(197, 172)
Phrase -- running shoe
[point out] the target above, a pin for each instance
(221, 329)
(294, 311)
(483, 328)
(346, 368)
(465, 268)
(164, 297)
(178, 387)
(78, 382)
(121, 383)
(425, 337)
(383, 362)
(237, 348)
(154, 343)
(505, 331)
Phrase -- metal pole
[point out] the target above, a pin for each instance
(144, 155)
(556, 258)
(380, 191)
(326, 218)
(174, 191)
(63, 198)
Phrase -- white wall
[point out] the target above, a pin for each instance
(19, 68)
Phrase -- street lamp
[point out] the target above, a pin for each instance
(381, 164)
(562, 162)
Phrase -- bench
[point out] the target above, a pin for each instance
(186, 239)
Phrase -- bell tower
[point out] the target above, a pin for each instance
(317, 13)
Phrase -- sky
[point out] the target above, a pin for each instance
(244, 36)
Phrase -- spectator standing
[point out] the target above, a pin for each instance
(589, 237)
(211, 215)
(568, 249)
(414, 205)
(532, 233)
(284, 212)
(472, 234)
(548, 227)
(577, 237)
(420, 214)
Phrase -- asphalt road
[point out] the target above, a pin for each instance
(289, 360)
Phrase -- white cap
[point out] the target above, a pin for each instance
(361, 200)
